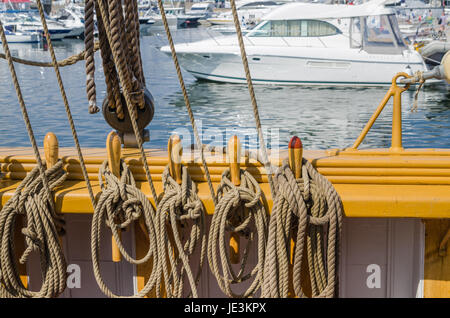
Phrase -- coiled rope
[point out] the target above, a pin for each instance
(250, 222)
(58, 280)
(119, 204)
(41, 232)
(312, 206)
(180, 204)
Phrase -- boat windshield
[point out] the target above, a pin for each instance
(381, 34)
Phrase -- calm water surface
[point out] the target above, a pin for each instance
(322, 117)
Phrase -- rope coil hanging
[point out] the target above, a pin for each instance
(180, 205)
(119, 204)
(53, 265)
(41, 235)
(309, 210)
(230, 216)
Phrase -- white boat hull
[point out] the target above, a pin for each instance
(303, 66)
(22, 38)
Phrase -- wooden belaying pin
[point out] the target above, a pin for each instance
(175, 151)
(51, 149)
(51, 152)
(295, 156)
(113, 149)
(234, 155)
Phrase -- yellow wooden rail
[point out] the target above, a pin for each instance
(372, 183)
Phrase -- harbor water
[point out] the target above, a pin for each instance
(322, 117)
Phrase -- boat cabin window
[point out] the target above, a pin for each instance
(295, 28)
(381, 34)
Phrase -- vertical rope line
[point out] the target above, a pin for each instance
(252, 97)
(186, 99)
(130, 106)
(25, 116)
(66, 102)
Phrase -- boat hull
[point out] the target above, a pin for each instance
(303, 69)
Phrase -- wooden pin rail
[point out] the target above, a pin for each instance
(371, 183)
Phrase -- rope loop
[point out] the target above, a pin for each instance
(307, 211)
(41, 231)
(240, 210)
(120, 204)
(181, 232)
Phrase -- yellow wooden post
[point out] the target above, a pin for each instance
(234, 155)
(175, 151)
(51, 149)
(295, 156)
(113, 149)
(51, 152)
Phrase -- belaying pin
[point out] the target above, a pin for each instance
(234, 156)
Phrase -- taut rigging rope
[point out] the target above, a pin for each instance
(312, 206)
(251, 91)
(186, 100)
(66, 62)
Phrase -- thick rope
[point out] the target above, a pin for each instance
(89, 55)
(308, 210)
(251, 91)
(120, 204)
(41, 232)
(186, 100)
(239, 210)
(121, 69)
(179, 210)
(66, 62)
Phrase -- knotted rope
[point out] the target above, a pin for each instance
(119, 204)
(41, 232)
(180, 205)
(312, 206)
(237, 207)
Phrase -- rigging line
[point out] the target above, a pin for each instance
(131, 108)
(66, 102)
(252, 97)
(186, 99)
(66, 62)
(25, 115)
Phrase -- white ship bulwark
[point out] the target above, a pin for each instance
(309, 44)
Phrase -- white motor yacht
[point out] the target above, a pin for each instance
(72, 20)
(152, 21)
(30, 22)
(309, 44)
(21, 37)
